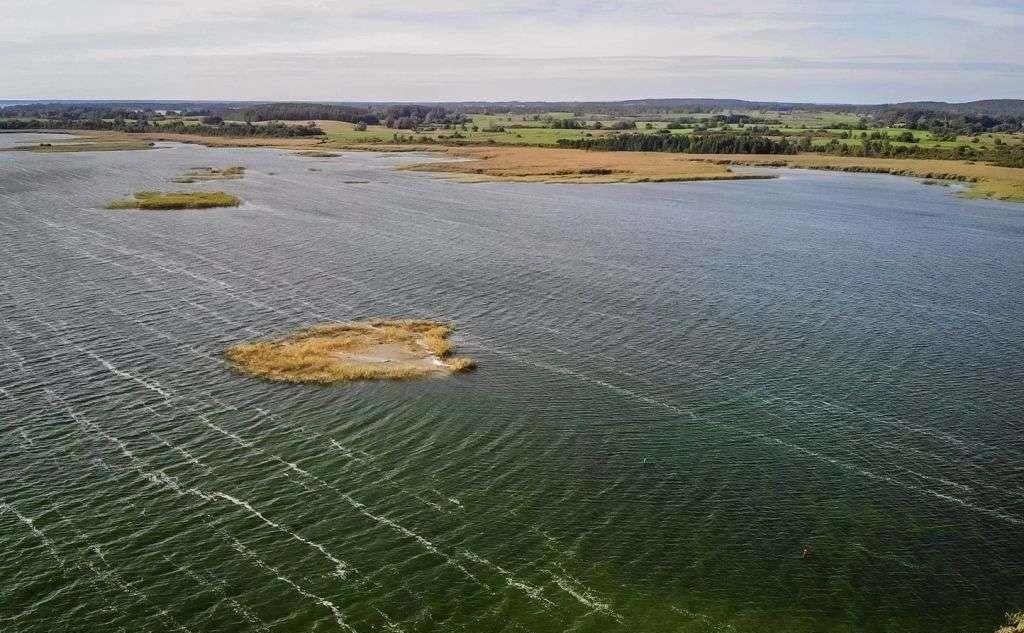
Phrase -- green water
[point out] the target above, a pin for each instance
(680, 387)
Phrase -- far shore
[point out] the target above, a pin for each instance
(556, 165)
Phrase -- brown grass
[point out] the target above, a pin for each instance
(986, 181)
(461, 364)
(537, 164)
(360, 350)
(436, 340)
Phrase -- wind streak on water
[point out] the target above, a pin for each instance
(761, 437)
(109, 576)
(814, 454)
(341, 569)
(362, 508)
(335, 611)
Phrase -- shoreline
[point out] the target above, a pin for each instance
(523, 163)
(984, 181)
(546, 165)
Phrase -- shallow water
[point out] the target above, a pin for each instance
(680, 386)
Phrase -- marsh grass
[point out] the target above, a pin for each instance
(1014, 623)
(361, 350)
(315, 153)
(203, 174)
(983, 180)
(535, 164)
(461, 364)
(154, 200)
(436, 341)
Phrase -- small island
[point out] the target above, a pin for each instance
(156, 200)
(203, 174)
(315, 153)
(357, 350)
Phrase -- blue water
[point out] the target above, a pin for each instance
(680, 387)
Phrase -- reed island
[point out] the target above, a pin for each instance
(205, 174)
(356, 350)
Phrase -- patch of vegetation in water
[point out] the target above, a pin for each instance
(155, 200)
(315, 153)
(360, 350)
(1014, 623)
(203, 174)
(62, 147)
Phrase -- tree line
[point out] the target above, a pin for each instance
(396, 116)
(949, 124)
(303, 112)
(746, 143)
(688, 144)
(274, 129)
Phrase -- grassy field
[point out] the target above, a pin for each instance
(365, 350)
(341, 134)
(158, 200)
(535, 130)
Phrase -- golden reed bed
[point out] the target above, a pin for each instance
(536, 164)
(359, 350)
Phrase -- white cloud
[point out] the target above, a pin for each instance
(500, 50)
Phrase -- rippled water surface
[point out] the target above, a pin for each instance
(680, 386)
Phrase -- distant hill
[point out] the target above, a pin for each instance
(991, 107)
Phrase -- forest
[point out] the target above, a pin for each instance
(271, 129)
(691, 144)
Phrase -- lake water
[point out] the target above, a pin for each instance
(680, 387)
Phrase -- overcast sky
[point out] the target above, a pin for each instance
(435, 50)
